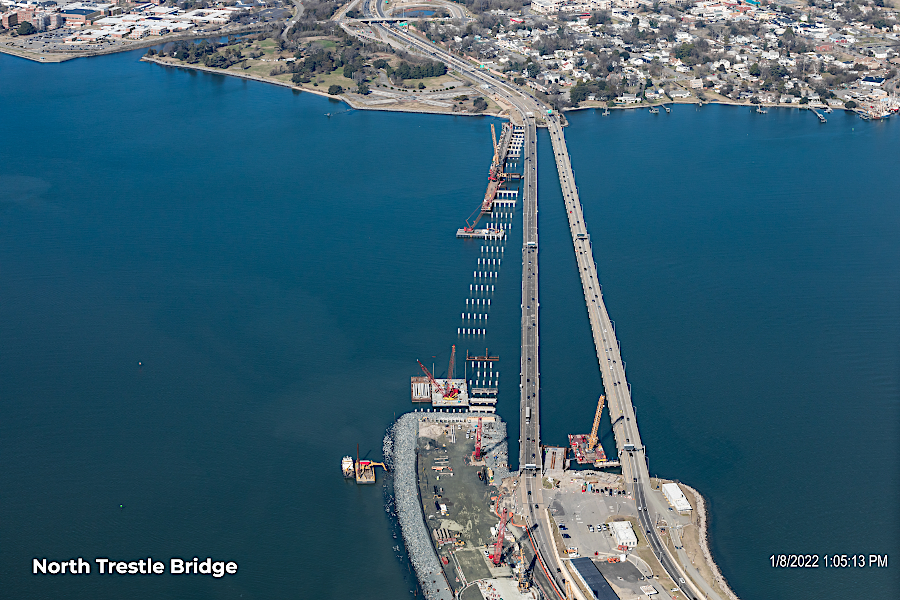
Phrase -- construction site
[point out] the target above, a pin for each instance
(476, 390)
(502, 188)
(467, 494)
(586, 449)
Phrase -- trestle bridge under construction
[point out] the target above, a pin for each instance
(520, 141)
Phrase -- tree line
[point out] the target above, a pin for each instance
(407, 71)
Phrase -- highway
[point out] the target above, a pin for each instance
(628, 441)
(618, 393)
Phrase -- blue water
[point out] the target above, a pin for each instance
(277, 273)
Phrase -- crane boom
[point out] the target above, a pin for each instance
(431, 378)
(448, 393)
(501, 533)
(452, 368)
(592, 439)
(478, 441)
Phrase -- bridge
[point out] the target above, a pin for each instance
(531, 113)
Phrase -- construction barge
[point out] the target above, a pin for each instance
(361, 470)
(586, 449)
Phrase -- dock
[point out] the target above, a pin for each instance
(818, 114)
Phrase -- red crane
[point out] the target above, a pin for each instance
(501, 533)
(478, 441)
(449, 393)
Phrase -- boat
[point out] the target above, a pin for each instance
(668, 110)
(761, 110)
(654, 110)
(606, 112)
(828, 109)
(347, 467)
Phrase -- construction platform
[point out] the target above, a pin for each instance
(578, 445)
(554, 461)
(422, 390)
(481, 234)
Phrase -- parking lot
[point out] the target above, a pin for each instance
(582, 514)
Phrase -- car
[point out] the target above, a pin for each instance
(681, 580)
(536, 506)
(529, 492)
(591, 528)
(567, 536)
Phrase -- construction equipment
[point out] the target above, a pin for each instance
(487, 357)
(448, 393)
(592, 439)
(524, 584)
(496, 175)
(587, 448)
(492, 174)
(501, 533)
(478, 441)
(569, 594)
(452, 368)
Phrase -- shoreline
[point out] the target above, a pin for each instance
(721, 582)
(348, 101)
(64, 57)
(697, 102)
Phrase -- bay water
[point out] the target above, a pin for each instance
(210, 292)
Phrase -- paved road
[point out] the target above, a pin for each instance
(631, 451)
(628, 441)
(298, 12)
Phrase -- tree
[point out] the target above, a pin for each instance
(755, 70)
(480, 104)
(599, 18)
(532, 70)
(362, 88)
(421, 86)
(335, 90)
(26, 28)
(850, 104)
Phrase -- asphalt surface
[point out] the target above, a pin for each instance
(618, 393)
(634, 466)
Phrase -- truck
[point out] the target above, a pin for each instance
(528, 416)
(629, 447)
